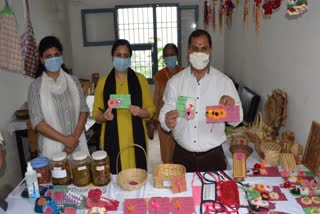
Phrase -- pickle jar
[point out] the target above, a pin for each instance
(41, 166)
(60, 169)
(81, 169)
(100, 168)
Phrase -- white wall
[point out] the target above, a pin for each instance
(48, 18)
(87, 60)
(284, 55)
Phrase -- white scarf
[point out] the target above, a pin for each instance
(50, 86)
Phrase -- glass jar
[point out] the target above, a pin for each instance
(60, 169)
(100, 168)
(81, 169)
(41, 166)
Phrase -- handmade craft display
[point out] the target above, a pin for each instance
(159, 205)
(245, 14)
(206, 14)
(221, 113)
(182, 205)
(186, 107)
(270, 6)
(263, 171)
(221, 16)
(256, 133)
(171, 176)
(213, 14)
(229, 6)
(121, 101)
(297, 7)
(311, 158)
(270, 153)
(240, 153)
(288, 162)
(276, 111)
(135, 206)
(96, 199)
(257, 14)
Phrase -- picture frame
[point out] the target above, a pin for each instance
(311, 158)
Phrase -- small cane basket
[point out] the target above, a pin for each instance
(164, 172)
(270, 153)
(133, 178)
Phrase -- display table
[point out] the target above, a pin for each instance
(20, 205)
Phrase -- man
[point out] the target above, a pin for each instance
(199, 143)
(170, 54)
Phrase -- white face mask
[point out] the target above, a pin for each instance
(199, 60)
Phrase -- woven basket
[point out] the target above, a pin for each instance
(164, 172)
(133, 178)
(257, 132)
(270, 153)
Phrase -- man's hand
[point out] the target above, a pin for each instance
(108, 114)
(171, 118)
(226, 100)
(68, 150)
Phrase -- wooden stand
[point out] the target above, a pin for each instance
(239, 166)
(288, 162)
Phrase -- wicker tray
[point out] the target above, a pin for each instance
(133, 178)
(164, 172)
(270, 153)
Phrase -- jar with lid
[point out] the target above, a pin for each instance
(60, 169)
(41, 166)
(81, 169)
(100, 168)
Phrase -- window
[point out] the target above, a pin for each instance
(148, 28)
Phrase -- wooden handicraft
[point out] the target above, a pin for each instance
(311, 158)
(270, 153)
(170, 176)
(288, 162)
(240, 153)
(276, 111)
(257, 132)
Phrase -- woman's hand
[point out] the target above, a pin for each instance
(108, 114)
(135, 110)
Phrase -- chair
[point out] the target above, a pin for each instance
(250, 103)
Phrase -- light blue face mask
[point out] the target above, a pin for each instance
(170, 61)
(53, 64)
(121, 64)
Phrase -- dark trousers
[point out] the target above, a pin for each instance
(212, 160)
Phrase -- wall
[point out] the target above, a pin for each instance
(284, 55)
(48, 18)
(88, 60)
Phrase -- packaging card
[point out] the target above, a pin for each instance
(185, 103)
(221, 113)
(120, 101)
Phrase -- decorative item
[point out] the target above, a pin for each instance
(276, 111)
(122, 101)
(270, 153)
(163, 174)
(239, 155)
(297, 7)
(270, 6)
(257, 14)
(159, 205)
(288, 161)
(257, 132)
(213, 14)
(245, 14)
(311, 158)
(221, 12)
(207, 14)
(179, 184)
(135, 206)
(134, 178)
(220, 113)
(186, 107)
(183, 205)
(229, 6)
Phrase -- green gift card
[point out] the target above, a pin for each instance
(185, 102)
(119, 100)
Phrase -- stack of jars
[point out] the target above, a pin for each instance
(60, 169)
(41, 166)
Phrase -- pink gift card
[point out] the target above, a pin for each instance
(159, 205)
(135, 206)
(221, 113)
(182, 205)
